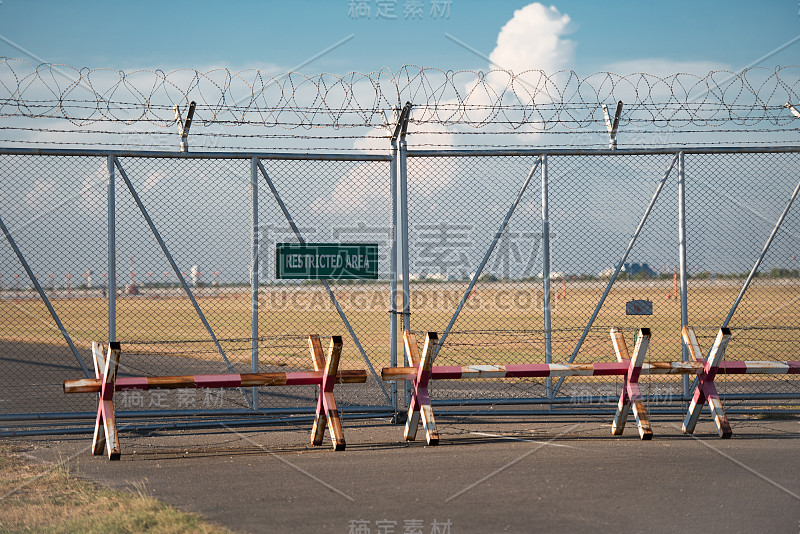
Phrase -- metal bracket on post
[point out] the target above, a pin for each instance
(613, 126)
(183, 127)
(792, 109)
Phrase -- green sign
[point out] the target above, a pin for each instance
(338, 261)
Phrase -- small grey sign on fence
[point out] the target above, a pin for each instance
(639, 307)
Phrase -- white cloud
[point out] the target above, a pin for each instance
(532, 47)
(533, 40)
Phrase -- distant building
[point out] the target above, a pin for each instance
(432, 277)
(606, 273)
(642, 270)
(554, 275)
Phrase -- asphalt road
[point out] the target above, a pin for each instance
(518, 474)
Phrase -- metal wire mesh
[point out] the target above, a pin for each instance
(747, 193)
(331, 202)
(456, 206)
(58, 225)
(596, 203)
(55, 211)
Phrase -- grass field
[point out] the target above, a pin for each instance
(41, 498)
(500, 323)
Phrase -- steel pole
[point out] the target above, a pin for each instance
(682, 260)
(404, 237)
(548, 347)
(254, 277)
(393, 275)
(404, 244)
(112, 252)
(309, 156)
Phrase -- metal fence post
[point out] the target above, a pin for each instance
(404, 219)
(682, 261)
(393, 268)
(402, 168)
(112, 252)
(548, 348)
(254, 277)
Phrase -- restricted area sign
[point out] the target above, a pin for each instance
(338, 261)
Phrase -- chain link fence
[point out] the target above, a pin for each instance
(511, 258)
(184, 303)
(611, 258)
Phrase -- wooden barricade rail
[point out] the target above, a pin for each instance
(630, 367)
(326, 373)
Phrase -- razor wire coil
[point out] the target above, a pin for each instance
(527, 101)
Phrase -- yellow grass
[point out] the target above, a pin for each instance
(515, 308)
(41, 498)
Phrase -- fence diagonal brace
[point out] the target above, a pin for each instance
(325, 284)
(757, 264)
(792, 109)
(175, 269)
(43, 296)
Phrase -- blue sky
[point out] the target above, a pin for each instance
(342, 36)
(282, 34)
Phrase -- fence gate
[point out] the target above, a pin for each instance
(522, 256)
(191, 241)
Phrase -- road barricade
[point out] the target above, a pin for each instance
(326, 373)
(630, 367)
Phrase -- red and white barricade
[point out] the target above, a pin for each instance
(631, 368)
(326, 373)
(713, 365)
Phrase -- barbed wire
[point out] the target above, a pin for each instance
(528, 101)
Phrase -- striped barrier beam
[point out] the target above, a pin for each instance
(630, 368)
(326, 373)
(543, 370)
